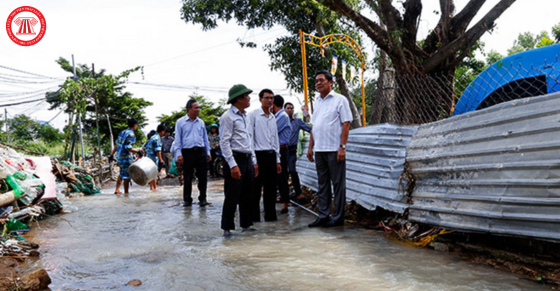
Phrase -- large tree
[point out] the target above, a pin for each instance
(285, 53)
(394, 31)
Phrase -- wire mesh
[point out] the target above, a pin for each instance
(417, 99)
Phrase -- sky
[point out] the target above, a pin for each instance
(118, 35)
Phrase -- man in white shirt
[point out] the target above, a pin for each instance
(329, 135)
(265, 143)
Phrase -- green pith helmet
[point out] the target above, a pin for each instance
(236, 91)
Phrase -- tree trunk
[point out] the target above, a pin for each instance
(356, 116)
(424, 98)
(383, 106)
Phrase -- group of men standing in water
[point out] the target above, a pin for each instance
(260, 150)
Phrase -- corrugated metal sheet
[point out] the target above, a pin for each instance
(375, 160)
(496, 170)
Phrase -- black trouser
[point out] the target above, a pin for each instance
(292, 159)
(267, 180)
(211, 163)
(194, 158)
(238, 192)
(283, 177)
(329, 170)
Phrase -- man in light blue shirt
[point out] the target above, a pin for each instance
(284, 132)
(193, 152)
(297, 125)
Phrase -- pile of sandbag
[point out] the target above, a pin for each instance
(18, 181)
(79, 179)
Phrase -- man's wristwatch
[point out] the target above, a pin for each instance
(343, 146)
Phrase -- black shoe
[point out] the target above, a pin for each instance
(227, 233)
(203, 203)
(187, 204)
(333, 223)
(318, 222)
(284, 211)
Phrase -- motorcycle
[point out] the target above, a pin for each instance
(219, 164)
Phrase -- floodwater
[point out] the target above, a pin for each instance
(109, 240)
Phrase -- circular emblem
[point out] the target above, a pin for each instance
(26, 26)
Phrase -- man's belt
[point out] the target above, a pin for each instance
(283, 146)
(195, 149)
(241, 155)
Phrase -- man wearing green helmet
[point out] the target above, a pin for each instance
(241, 164)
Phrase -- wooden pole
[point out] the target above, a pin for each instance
(363, 98)
(304, 64)
(96, 117)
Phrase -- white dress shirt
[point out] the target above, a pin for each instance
(327, 119)
(264, 132)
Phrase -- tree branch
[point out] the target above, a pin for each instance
(461, 21)
(446, 7)
(372, 29)
(413, 10)
(464, 54)
(391, 16)
(473, 34)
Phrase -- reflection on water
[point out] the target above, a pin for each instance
(149, 236)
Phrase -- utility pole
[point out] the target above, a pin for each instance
(111, 132)
(79, 117)
(96, 116)
(6, 121)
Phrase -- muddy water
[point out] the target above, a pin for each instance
(111, 240)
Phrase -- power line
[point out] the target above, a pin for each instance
(173, 70)
(37, 107)
(26, 77)
(11, 80)
(205, 49)
(31, 101)
(29, 73)
(16, 94)
(61, 110)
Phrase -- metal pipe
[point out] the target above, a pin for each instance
(304, 208)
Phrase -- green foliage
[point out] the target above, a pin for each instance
(285, 53)
(209, 112)
(528, 41)
(49, 134)
(32, 135)
(556, 33)
(80, 96)
(468, 69)
(23, 129)
(493, 56)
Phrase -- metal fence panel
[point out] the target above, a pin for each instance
(375, 160)
(495, 170)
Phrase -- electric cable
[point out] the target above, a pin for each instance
(29, 73)
(205, 49)
(11, 80)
